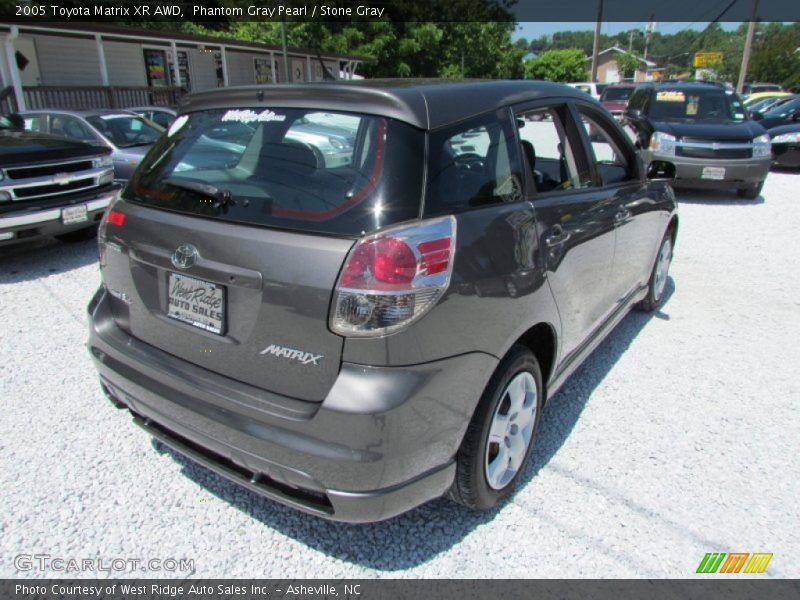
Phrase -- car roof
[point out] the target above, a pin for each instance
(423, 103)
(96, 112)
(165, 109)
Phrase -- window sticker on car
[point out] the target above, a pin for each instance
(670, 97)
(691, 105)
(250, 116)
(176, 126)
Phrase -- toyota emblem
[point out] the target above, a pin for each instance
(184, 256)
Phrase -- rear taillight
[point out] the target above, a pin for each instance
(392, 278)
(115, 218)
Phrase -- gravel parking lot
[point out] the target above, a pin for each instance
(679, 436)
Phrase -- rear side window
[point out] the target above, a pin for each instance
(296, 169)
(473, 164)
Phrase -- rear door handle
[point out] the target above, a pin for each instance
(557, 236)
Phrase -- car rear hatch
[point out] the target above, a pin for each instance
(226, 246)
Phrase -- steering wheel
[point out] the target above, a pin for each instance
(140, 136)
(470, 161)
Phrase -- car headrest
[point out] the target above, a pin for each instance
(530, 153)
(291, 157)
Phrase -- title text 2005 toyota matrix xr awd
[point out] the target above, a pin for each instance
(354, 298)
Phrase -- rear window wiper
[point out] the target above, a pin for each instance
(222, 198)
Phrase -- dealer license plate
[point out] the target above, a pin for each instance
(197, 302)
(713, 173)
(73, 214)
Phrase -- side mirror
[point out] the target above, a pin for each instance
(660, 170)
(756, 116)
(796, 117)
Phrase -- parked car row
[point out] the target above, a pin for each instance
(702, 131)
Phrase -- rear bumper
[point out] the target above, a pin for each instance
(382, 442)
(738, 172)
(32, 222)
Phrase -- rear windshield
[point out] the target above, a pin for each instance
(613, 94)
(328, 172)
(690, 105)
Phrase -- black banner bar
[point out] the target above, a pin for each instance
(206, 11)
(735, 588)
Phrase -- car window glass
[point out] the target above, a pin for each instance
(162, 118)
(612, 165)
(616, 94)
(330, 136)
(34, 123)
(74, 128)
(638, 100)
(57, 123)
(694, 105)
(473, 164)
(281, 169)
(126, 131)
(549, 152)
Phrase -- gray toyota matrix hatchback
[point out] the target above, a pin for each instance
(354, 298)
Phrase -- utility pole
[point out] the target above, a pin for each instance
(651, 27)
(286, 73)
(596, 45)
(748, 46)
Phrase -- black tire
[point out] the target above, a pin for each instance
(80, 235)
(471, 486)
(751, 192)
(655, 297)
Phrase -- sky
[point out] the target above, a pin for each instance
(532, 30)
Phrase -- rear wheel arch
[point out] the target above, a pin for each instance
(673, 228)
(541, 340)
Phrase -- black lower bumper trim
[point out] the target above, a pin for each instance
(258, 482)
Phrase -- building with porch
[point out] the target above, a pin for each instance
(105, 66)
(608, 70)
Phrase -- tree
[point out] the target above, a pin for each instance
(557, 65)
(470, 38)
(775, 58)
(627, 64)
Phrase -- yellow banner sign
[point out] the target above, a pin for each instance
(703, 59)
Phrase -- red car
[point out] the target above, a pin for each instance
(615, 97)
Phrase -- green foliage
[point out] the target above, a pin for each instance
(775, 58)
(401, 49)
(557, 65)
(626, 63)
